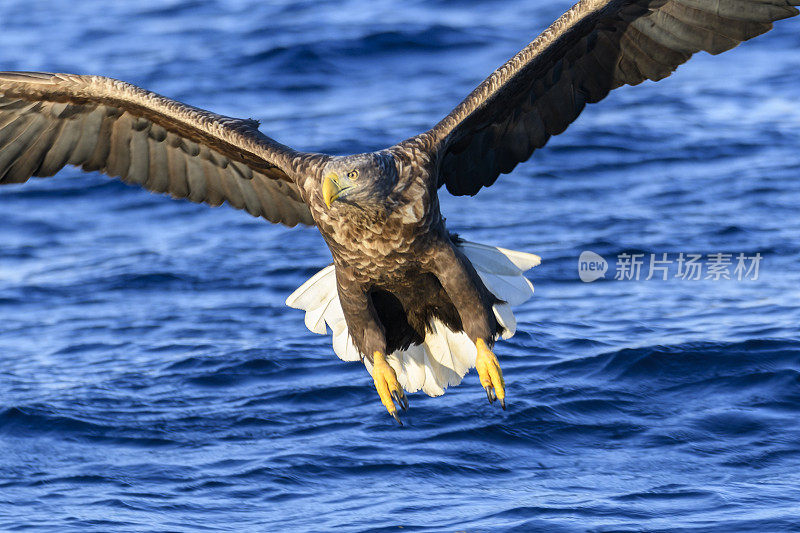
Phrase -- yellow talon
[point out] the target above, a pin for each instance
(489, 371)
(388, 387)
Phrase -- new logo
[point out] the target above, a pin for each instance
(591, 267)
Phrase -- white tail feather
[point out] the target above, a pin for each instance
(445, 356)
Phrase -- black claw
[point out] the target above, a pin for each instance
(503, 404)
(394, 415)
(489, 395)
(400, 399)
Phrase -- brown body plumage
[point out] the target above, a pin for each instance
(397, 267)
(394, 254)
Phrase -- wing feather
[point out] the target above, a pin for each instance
(594, 48)
(157, 177)
(48, 121)
(61, 147)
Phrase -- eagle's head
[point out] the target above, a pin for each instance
(363, 180)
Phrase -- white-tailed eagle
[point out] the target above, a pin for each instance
(417, 305)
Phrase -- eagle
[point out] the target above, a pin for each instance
(415, 303)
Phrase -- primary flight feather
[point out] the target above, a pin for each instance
(416, 304)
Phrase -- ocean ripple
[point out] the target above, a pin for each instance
(151, 378)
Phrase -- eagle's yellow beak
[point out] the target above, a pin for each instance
(331, 189)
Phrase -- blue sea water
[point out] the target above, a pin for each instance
(151, 378)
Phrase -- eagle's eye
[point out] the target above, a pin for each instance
(352, 175)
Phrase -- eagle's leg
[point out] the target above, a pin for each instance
(490, 373)
(463, 286)
(388, 387)
(370, 338)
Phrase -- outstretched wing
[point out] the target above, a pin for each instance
(595, 47)
(48, 121)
